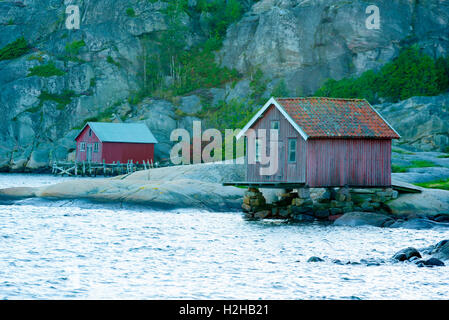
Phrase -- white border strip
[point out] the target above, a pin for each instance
(270, 102)
(378, 113)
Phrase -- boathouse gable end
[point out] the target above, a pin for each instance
(325, 142)
(288, 170)
(88, 144)
(115, 142)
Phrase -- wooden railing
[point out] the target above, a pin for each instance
(86, 168)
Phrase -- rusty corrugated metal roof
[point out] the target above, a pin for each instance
(337, 118)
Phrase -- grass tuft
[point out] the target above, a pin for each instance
(437, 184)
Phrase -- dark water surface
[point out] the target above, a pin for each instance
(74, 249)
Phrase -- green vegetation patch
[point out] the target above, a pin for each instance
(438, 184)
(187, 68)
(47, 70)
(228, 115)
(199, 70)
(103, 116)
(402, 151)
(111, 60)
(62, 100)
(14, 49)
(73, 48)
(258, 86)
(221, 14)
(130, 12)
(423, 164)
(414, 164)
(443, 156)
(399, 169)
(412, 73)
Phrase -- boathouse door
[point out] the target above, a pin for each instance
(89, 152)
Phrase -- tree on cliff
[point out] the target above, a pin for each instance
(412, 73)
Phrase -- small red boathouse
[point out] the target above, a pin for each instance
(115, 142)
(324, 142)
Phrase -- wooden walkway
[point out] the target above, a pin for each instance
(93, 169)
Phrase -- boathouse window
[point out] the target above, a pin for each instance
(258, 154)
(96, 147)
(291, 150)
(275, 124)
(82, 146)
(90, 132)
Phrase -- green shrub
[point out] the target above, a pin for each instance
(130, 12)
(62, 100)
(199, 70)
(111, 60)
(280, 90)
(258, 86)
(193, 68)
(74, 47)
(234, 114)
(442, 66)
(103, 116)
(33, 109)
(14, 49)
(222, 14)
(412, 73)
(45, 71)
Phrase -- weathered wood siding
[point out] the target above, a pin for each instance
(112, 152)
(137, 152)
(89, 141)
(287, 172)
(353, 162)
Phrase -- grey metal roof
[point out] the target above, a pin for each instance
(122, 132)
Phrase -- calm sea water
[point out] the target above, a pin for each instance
(79, 250)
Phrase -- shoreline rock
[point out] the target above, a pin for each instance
(195, 186)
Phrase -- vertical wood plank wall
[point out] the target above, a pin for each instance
(128, 151)
(287, 172)
(354, 162)
(84, 137)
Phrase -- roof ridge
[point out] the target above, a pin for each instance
(327, 98)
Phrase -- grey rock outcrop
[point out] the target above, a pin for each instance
(426, 126)
(441, 250)
(353, 219)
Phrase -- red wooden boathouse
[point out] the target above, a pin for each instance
(324, 142)
(115, 142)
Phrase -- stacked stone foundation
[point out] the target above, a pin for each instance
(298, 204)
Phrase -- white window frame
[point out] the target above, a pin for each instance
(96, 147)
(257, 149)
(82, 146)
(292, 150)
(275, 122)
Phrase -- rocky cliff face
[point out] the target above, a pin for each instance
(306, 42)
(303, 42)
(423, 122)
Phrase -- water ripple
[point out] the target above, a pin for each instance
(78, 250)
